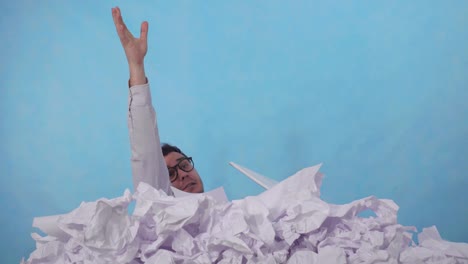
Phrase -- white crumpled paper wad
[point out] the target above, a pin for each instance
(288, 223)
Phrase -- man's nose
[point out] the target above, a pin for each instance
(182, 174)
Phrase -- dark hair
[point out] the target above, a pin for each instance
(167, 148)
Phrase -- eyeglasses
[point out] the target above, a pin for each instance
(185, 164)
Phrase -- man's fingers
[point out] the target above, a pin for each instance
(115, 15)
(124, 34)
(120, 19)
(144, 31)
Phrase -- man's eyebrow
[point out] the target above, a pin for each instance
(179, 159)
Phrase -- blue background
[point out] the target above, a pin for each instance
(376, 90)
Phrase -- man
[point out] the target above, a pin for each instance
(149, 164)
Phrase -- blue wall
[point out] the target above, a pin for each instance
(375, 90)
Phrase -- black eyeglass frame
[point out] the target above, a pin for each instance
(175, 168)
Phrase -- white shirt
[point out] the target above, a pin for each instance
(148, 164)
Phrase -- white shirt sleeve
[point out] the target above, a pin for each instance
(147, 160)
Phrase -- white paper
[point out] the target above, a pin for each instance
(261, 180)
(287, 223)
(48, 225)
(218, 194)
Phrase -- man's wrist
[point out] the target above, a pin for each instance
(137, 74)
(130, 85)
(136, 64)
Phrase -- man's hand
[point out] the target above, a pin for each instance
(135, 48)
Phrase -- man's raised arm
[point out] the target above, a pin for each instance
(148, 163)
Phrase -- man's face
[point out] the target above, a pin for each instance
(185, 181)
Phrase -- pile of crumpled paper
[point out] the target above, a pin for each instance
(288, 223)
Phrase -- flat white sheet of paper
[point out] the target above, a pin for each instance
(261, 180)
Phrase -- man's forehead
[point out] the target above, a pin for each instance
(173, 158)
